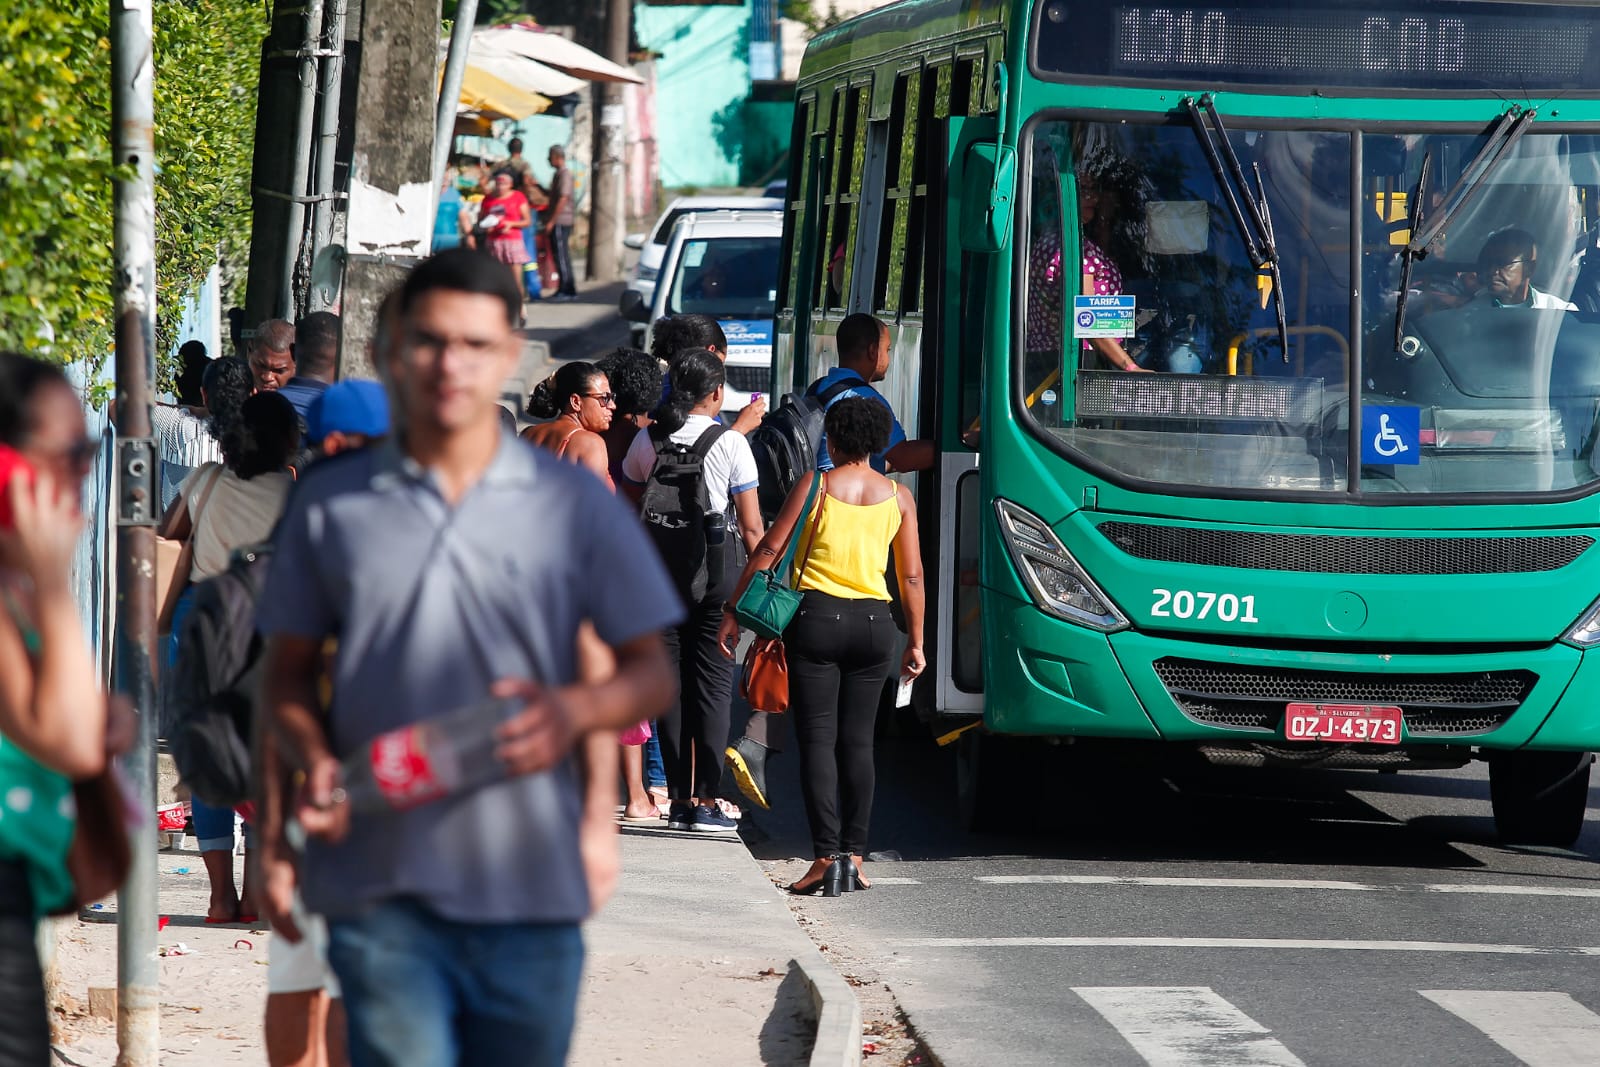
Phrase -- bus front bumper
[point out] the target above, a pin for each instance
(1058, 679)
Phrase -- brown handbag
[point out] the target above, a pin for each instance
(765, 685)
(175, 560)
(101, 854)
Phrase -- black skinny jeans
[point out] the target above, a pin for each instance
(694, 731)
(24, 1022)
(839, 654)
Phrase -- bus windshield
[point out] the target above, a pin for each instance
(1170, 366)
(726, 277)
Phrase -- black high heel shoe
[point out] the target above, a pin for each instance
(856, 884)
(831, 883)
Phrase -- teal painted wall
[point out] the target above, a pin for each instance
(703, 83)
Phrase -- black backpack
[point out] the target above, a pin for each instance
(674, 508)
(211, 689)
(785, 445)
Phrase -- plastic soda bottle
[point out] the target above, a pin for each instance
(423, 762)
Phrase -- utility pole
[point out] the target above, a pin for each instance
(606, 222)
(455, 69)
(134, 282)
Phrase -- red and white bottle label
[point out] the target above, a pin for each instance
(402, 770)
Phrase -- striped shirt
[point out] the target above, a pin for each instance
(183, 442)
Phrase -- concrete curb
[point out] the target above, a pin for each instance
(838, 1042)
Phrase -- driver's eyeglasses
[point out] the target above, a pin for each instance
(606, 400)
(1507, 267)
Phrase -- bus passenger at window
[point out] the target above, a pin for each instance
(1505, 273)
(1112, 194)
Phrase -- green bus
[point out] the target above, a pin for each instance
(1261, 343)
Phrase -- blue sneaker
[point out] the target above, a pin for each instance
(708, 819)
(680, 816)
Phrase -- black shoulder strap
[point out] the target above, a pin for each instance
(825, 397)
(703, 443)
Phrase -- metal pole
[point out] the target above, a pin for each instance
(455, 69)
(304, 127)
(606, 207)
(134, 282)
(328, 129)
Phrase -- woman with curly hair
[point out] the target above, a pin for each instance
(578, 401)
(840, 645)
(222, 507)
(635, 378)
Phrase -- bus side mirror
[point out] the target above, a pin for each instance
(988, 183)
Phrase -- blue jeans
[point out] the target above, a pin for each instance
(655, 771)
(432, 992)
(213, 827)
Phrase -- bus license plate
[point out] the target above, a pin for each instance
(1370, 724)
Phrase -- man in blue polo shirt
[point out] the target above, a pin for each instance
(453, 926)
(863, 343)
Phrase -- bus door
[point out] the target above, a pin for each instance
(963, 314)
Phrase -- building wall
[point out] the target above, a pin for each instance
(702, 85)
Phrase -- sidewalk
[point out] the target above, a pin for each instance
(688, 965)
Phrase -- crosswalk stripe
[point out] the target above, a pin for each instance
(1269, 943)
(1328, 885)
(1540, 1029)
(1187, 1026)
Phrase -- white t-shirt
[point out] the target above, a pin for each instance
(730, 467)
(237, 513)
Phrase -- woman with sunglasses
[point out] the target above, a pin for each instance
(55, 721)
(579, 402)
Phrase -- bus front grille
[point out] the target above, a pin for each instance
(1254, 698)
(749, 379)
(1345, 554)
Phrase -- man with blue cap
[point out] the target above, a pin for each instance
(347, 415)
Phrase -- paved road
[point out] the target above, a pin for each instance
(1246, 919)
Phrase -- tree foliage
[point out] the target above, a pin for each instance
(56, 171)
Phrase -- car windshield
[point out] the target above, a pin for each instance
(726, 277)
(1150, 340)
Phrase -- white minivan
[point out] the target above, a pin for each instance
(653, 246)
(723, 264)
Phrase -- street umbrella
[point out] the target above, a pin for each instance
(551, 49)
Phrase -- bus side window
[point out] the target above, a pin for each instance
(849, 160)
(896, 255)
(827, 175)
(801, 175)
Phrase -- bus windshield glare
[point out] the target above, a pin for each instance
(1493, 388)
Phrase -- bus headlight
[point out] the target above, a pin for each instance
(1059, 586)
(1585, 633)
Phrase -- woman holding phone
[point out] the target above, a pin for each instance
(56, 725)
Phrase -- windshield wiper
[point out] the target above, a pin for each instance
(1508, 130)
(1408, 258)
(1256, 232)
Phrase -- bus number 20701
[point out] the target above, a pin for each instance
(1187, 604)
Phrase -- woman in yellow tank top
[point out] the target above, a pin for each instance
(840, 646)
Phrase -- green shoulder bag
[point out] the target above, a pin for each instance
(768, 603)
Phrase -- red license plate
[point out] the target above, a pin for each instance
(1370, 724)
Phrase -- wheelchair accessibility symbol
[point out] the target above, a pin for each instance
(1387, 443)
(1392, 435)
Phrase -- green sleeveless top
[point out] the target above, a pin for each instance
(37, 812)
